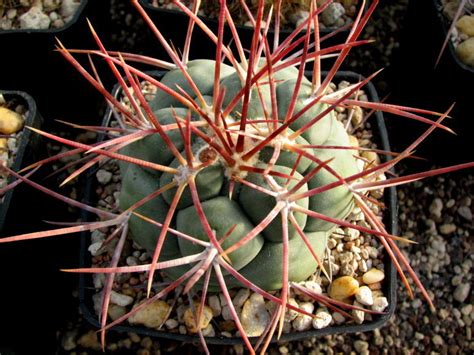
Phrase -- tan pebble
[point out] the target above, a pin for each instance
(152, 315)
(3, 145)
(465, 52)
(189, 320)
(372, 157)
(10, 121)
(89, 340)
(353, 142)
(466, 25)
(343, 287)
(254, 316)
(227, 325)
(357, 115)
(375, 286)
(373, 276)
(115, 312)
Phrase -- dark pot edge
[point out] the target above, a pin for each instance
(66, 26)
(33, 119)
(390, 288)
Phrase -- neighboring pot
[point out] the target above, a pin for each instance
(30, 63)
(419, 83)
(86, 289)
(27, 147)
(174, 24)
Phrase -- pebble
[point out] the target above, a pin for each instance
(10, 121)
(332, 13)
(103, 176)
(96, 249)
(322, 319)
(3, 145)
(338, 318)
(358, 315)
(152, 315)
(215, 305)
(373, 276)
(467, 310)
(311, 286)
(364, 296)
(380, 303)
(290, 314)
(357, 115)
(462, 292)
(68, 342)
(343, 287)
(465, 52)
(447, 228)
(120, 299)
(34, 19)
(304, 322)
(240, 298)
(437, 340)
(466, 25)
(465, 212)
(89, 340)
(436, 207)
(190, 321)
(361, 346)
(171, 323)
(69, 7)
(254, 316)
(115, 311)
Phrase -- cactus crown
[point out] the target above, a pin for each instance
(235, 173)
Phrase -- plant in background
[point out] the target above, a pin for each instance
(235, 174)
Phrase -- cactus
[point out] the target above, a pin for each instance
(234, 174)
(259, 260)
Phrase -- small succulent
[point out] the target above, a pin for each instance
(234, 174)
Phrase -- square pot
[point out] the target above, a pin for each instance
(86, 289)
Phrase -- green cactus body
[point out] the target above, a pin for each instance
(260, 260)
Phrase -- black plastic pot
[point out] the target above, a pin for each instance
(174, 24)
(31, 64)
(86, 289)
(26, 151)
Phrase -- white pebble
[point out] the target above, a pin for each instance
(171, 323)
(358, 315)
(120, 299)
(34, 19)
(364, 296)
(380, 303)
(215, 305)
(69, 7)
(103, 176)
(322, 320)
(96, 249)
(303, 322)
(240, 298)
(98, 280)
(290, 314)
